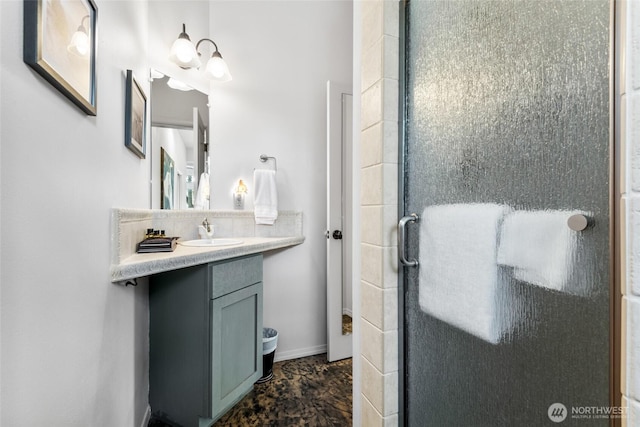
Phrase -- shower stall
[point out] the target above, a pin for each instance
(507, 302)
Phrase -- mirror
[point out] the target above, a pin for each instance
(179, 155)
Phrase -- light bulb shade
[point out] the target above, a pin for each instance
(79, 44)
(217, 68)
(183, 52)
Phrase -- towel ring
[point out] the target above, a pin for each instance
(264, 158)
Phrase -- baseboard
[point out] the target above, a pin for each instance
(146, 418)
(300, 352)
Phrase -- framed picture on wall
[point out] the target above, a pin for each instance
(135, 117)
(60, 45)
(167, 171)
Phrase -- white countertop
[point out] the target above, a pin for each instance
(140, 265)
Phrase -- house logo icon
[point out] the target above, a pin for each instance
(557, 412)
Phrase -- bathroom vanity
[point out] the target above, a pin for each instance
(205, 306)
(205, 339)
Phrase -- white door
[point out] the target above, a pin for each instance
(339, 300)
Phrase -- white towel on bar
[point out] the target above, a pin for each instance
(265, 196)
(541, 249)
(459, 279)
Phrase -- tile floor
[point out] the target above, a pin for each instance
(303, 392)
(347, 324)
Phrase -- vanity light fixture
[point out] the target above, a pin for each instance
(80, 43)
(185, 55)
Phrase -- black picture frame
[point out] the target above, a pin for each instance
(135, 116)
(49, 29)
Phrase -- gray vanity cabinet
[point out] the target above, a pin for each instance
(205, 339)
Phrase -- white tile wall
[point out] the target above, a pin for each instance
(374, 221)
(380, 389)
(372, 64)
(633, 413)
(628, 103)
(632, 134)
(370, 415)
(633, 46)
(631, 204)
(380, 144)
(372, 13)
(379, 200)
(379, 348)
(372, 105)
(633, 348)
(371, 142)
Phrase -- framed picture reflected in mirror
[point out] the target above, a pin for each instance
(167, 173)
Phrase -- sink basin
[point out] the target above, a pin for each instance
(211, 242)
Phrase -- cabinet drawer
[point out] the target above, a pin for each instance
(230, 275)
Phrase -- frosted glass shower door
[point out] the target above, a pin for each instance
(506, 164)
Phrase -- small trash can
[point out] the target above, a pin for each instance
(269, 344)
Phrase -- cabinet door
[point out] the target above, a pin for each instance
(236, 346)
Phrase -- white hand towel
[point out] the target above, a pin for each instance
(265, 196)
(541, 248)
(203, 193)
(459, 279)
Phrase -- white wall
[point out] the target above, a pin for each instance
(74, 347)
(281, 53)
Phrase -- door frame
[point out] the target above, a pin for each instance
(615, 237)
(402, 114)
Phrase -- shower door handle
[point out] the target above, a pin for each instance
(402, 229)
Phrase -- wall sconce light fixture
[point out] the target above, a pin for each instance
(80, 43)
(239, 194)
(185, 55)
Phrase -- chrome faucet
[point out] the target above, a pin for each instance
(205, 230)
